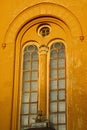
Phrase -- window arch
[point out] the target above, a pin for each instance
(57, 86)
(29, 96)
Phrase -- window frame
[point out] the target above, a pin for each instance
(28, 43)
(48, 75)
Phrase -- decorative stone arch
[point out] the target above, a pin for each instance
(44, 9)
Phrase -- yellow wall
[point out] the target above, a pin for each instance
(12, 13)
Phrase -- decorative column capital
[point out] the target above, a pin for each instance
(43, 49)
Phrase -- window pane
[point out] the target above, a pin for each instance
(53, 84)
(24, 120)
(34, 75)
(53, 74)
(33, 108)
(34, 56)
(34, 86)
(31, 48)
(22, 128)
(34, 65)
(59, 45)
(61, 118)
(53, 118)
(31, 118)
(61, 83)
(61, 53)
(26, 56)
(25, 97)
(53, 63)
(61, 62)
(33, 97)
(61, 127)
(27, 65)
(53, 95)
(53, 107)
(55, 127)
(53, 53)
(61, 94)
(25, 108)
(26, 86)
(61, 73)
(61, 106)
(26, 76)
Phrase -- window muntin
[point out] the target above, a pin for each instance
(29, 103)
(57, 87)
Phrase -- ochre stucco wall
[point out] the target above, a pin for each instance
(77, 69)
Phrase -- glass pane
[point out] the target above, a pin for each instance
(61, 73)
(59, 45)
(53, 84)
(27, 65)
(31, 48)
(25, 108)
(53, 107)
(61, 106)
(33, 108)
(61, 62)
(26, 86)
(53, 53)
(34, 75)
(22, 128)
(34, 86)
(34, 56)
(33, 97)
(53, 95)
(61, 52)
(53, 63)
(61, 84)
(55, 127)
(53, 74)
(61, 118)
(32, 118)
(26, 56)
(61, 127)
(25, 97)
(34, 65)
(61, 94)
(26, 76)
(53, 118)
(24, 120)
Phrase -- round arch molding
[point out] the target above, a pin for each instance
(39, 10)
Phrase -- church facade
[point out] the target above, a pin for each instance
(43, 64)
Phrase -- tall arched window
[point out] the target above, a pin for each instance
(57, 86)
(29, 101)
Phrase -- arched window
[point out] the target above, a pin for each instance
(57, 87)
(29, 96)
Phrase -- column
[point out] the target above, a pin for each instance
(43, 79)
